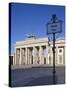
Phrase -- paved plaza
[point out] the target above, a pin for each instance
(36, 76)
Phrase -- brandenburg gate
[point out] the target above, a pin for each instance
(37, 51)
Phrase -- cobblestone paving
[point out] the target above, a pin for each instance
(36, 76)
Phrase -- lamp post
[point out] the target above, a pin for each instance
(54, 20)
(53, 27)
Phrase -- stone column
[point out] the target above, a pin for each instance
(49, 51)
(30, 56)
(17, 56)
(47, 54)
(28, 59)
(41, 55)
(34, 55)
(20, 57)
(64, 55)
(56, 55)
(26, 56)
(14, 59)
(51, 55)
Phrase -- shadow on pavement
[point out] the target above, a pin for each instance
(45, 80)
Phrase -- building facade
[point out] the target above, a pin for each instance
(39, 51)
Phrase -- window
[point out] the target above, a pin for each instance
(60, 50)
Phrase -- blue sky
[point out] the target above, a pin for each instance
(32, 18)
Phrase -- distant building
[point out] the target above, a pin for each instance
(39, 51)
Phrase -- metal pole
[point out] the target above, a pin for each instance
(54, 81)
(53, 21)
(54, 78)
